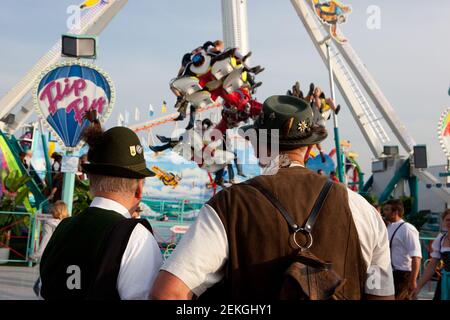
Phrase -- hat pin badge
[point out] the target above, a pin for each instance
(133, 151)
(302, 126)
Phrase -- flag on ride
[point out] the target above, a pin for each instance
(151, 111)
(137, 114)
(164, 107)
(120, 120)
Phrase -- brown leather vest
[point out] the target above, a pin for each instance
(259, 238)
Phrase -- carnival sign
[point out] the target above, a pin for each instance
(444, 132)
(64, 93)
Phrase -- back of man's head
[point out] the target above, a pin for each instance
(116, 164)
(100, 184)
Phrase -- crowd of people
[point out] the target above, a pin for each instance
(265, 239)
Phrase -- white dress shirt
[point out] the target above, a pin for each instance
(405, 244)
(207, 238)
(141, 260)
(438, 247)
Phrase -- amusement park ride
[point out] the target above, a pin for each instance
(358, 88)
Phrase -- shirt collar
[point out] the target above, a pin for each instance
(397, 222)
(296, 165)
(108, 204)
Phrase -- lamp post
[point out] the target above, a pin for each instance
(68, 188)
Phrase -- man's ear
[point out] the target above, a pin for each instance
(140, 189)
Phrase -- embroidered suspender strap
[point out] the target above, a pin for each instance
(277, 204)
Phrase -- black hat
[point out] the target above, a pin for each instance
(293, 120)
(118, 153)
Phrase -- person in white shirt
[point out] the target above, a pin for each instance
(440, 258)
(102, 253)
(406, 252)
(228, 244)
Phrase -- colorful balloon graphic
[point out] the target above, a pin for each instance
(64, 94)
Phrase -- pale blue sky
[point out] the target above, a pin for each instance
(143, 46)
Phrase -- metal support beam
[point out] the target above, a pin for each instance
(377, 96)
(235, 25)
(402, 173)
(414, 189)
(93, 22)
(314, 30)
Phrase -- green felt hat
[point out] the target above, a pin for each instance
(119, 153)
(290, 119)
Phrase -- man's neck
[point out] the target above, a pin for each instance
(297, 156)
(123, 200)
(396, 220)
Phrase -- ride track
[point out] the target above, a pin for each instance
(167, 119)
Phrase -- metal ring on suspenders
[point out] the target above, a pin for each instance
(308, 236)
(307, 228)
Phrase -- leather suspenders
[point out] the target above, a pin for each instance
(309, 224)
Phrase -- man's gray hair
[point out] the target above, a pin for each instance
(99, 183)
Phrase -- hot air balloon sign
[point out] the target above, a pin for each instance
(444, 132)
(64, 93)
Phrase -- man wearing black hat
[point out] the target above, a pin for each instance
(243, 241)
(102, 253)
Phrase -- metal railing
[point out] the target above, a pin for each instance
(7, 248)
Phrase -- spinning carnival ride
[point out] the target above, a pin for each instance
(358, 88)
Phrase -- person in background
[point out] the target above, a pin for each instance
(379, 209)
(22, 156)
(439, 257)
(82, 176)
(58, 212)
(137, 213)
(405, 247)
(28, 156)
(56, 162)
(320, 172)
(56, 192)
(214, 48)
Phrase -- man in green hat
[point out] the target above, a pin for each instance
(242, 243)
(102, 253)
